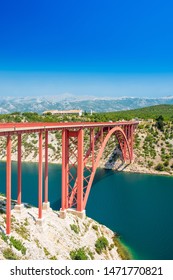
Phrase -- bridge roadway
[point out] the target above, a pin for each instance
(12, 128)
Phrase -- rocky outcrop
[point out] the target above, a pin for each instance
(55, 238)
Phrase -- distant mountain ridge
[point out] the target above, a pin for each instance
(85, 103)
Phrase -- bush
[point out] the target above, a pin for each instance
(4, 237)
(46, 251)
(95, 227)
(9, 255)
(159, 167)
(78, 254)
(101, 244)
(160, 123)
(75, 228)
(150, 163)
(18, 245)
(166, 163)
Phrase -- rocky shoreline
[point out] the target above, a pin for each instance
(55, 238)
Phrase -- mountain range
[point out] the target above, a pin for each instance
(85, 103)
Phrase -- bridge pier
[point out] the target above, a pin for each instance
(8, 186)
(80, 214)
(80, 171)
(46, 203)
(40, 174)
(19, 206)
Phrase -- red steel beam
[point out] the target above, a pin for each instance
(8, 186)
(92, 148)
(132, 130)
(80, 170)
(40, 173)
(46, 169)
(19, 173)
(65, 161)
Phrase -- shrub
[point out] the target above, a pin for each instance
(159, 167)
(46, 251)
(150, 163)
(75, 228)
(160, 123)
(9, 255)
(23, 232)
(18, 245)
(101, 244)
(166, 163)
(4, 237)
(53, 258)
(79, 254)
(95, 227)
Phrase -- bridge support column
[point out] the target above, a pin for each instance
(80, 166)
(8, 186)
(65, 174)
(131, 141)
(125, 145)
(46, 203)
(40, 174)
(19, 206)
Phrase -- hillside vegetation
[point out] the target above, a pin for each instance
(153, 140)
(152, 112)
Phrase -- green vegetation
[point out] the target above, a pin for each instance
(90, 254)
(37, 243)
(75, 228)
(95, 227)
(22, 231)
(26, 223)
(53, 258)
(151, 112)
(9, 255)
(101, 243)
(122, 251)
(159, 167)
(18, 245)
(2, 194)
(4, 237)
(46, 251)
(152, 141)
(160, 123)
(79, 254)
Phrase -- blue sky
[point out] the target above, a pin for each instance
(92, 47)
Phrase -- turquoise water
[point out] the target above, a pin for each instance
(138, 207)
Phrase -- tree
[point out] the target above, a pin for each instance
(160, 123)
(159, 167)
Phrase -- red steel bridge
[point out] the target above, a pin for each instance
(80, 158)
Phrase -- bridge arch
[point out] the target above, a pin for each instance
(123, 142)
(126, 153)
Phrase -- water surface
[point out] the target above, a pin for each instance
(138, 207)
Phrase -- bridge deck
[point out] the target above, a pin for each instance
(24, 127)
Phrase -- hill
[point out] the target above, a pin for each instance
(151, 112)
(153, 140)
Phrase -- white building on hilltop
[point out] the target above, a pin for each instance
(63, 112)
